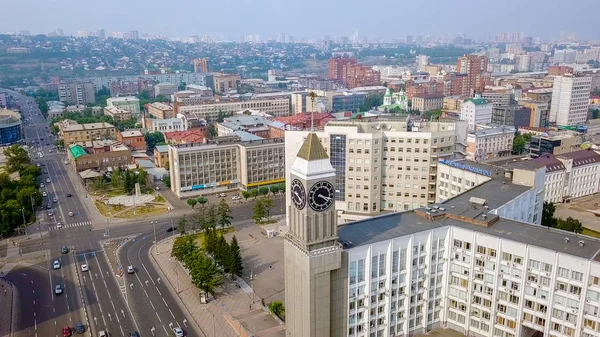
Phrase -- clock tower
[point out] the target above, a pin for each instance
(312, 251)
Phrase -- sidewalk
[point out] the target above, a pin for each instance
(7, 308)
(209, 318)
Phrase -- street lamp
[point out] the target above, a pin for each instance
(154, 227)
(172, 224)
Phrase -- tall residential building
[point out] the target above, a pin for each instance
(302, 102)
(349, 72)
(225, 164)
(124, 88)
(476, 111)
(491, 142)
(477, 263)
(201, 65)
(475, 68)
(77, 93)
(129, 103)
(539, 112)
(570, 100)
(385, 163)
(224, 83)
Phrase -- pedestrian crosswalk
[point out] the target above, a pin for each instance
(69, 225)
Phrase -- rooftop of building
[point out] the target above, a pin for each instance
(550, 162)
(116, 110)
(246, 136)
(497, 130)
(476, 101)
(161, 106)
(162, 148)
(197, 87)
(124, 99)
(69, 125)
(580, 158)
(395, 123)
(188, 136)
(304, 117)
(429, 96)
(245, 120)
(131, 133)
(226, 140)
(166, 121)
(470, 210)
(165, 84)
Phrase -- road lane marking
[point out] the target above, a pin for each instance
(122, 333)
(165, 301)
(165, 330)
(158, 291)
(117, 317)
(145, 292)
(172, 313)
(158, 317)
(35, 323)
(100, 306)
(152, 305)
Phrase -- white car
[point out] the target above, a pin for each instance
(130, 270)
(84, 267)
(70, 213)
(56, 264)
(42, 185)
(58, 289)
(59, 225)
(236, 197)
(178, 332)
(44, 194)
(48, 181)
(102, 333)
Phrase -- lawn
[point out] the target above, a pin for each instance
(107, 210)
(140, 211)
(591, 232)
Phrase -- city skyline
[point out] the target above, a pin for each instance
(416, 19)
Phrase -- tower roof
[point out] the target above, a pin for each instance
(312, 149)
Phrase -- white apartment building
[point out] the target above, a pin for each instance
(384, 164)
(490, 142)
(460, 264)
(523, 180)
(555, 177)
(476, 111)
(570, 100)
(225, 164)
(210, 111)
(129, 103)
(166, 125)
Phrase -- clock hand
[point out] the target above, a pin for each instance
(297, 195)
(324, 197)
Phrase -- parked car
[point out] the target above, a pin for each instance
(102, 333)
(66, 331)
(44, 194)
(236, 197)
(47, 180)
(178, 332)
(54, 199)
(84, 267)
(56, 264)
(42, 185)
(79, 327)
(134, 334)
(170, 229)
(68, 195)
(64, 249)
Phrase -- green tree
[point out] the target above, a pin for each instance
(183, 248)
(16, 158)
(224, 214)
(221, 251)
(205, 274)
(234, 258)
(167, 181)
(263, 190)
(202, 201)
(518, 144)
(268, 204)
(570, 224)
(202, 223)
(181, 225)
(277, 308)
(371, 101)
(548, 218)
(212, 216)
(254, 193)
(274, 189)
(245, 195)
(210, 240)
(153, 138)
(282, 187)
(259, 212)
(192, 202)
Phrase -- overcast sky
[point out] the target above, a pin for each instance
(305, 19)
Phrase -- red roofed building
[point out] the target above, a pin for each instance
(186, 137)
(300, 121)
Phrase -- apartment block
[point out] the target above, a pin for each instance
(225, 164)
(201, 65)
(570, 100)
(124, 88)
(101, 155)
(72, 132)
(129, 103)
(224, 83)
(161, 155)
(475, 69)
(555, 142)
(476, 111)
(513, 115)
(302, 102)
(427, 102)
(210, 111)
(117, 114)
(160, 110)
(165, 89)
(539, 112)
(352, 74)
(477, 263)
(490, 142)
(498, 97)
(385, 163)
(77, 93)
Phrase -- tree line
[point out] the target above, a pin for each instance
(569, 224)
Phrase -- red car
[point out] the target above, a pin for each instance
(66, 332)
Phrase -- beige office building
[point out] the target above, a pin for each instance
(117, 114)
(160, 110)
(72, 132)
(277, 107)
(129, 103)
(225, 164)
(384, 164)
(224, 83)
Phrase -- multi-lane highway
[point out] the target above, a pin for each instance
(94, 297)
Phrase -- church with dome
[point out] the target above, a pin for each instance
(392, 101)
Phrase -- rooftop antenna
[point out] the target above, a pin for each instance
(312, 111)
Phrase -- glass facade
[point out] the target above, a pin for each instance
(10, 134)
(337, 156)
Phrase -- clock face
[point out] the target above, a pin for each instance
(321, 196)
(298, 194)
